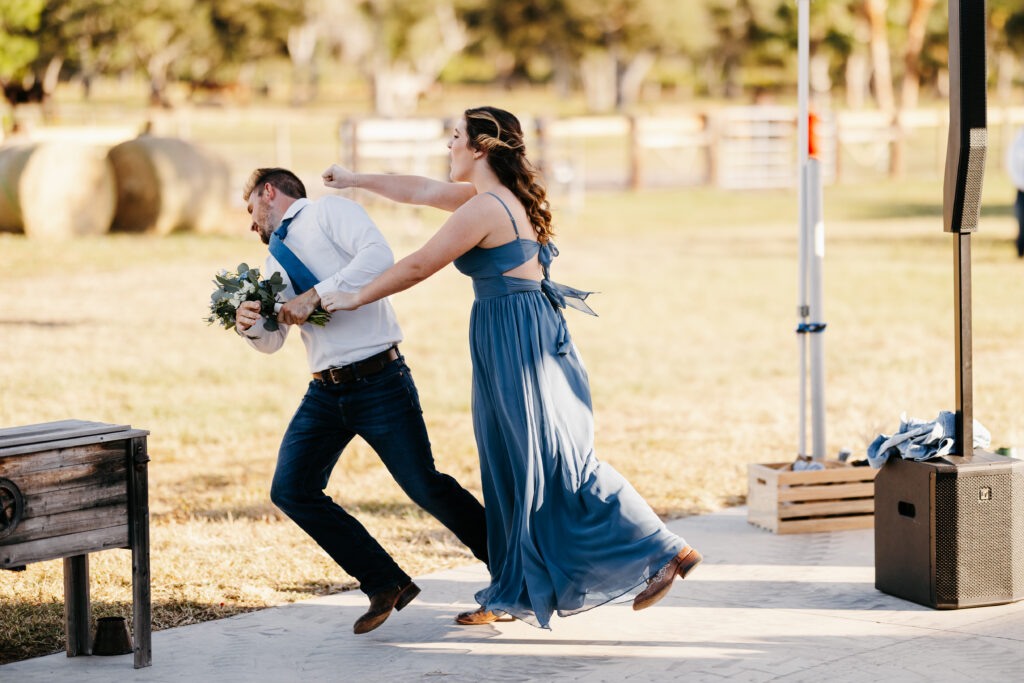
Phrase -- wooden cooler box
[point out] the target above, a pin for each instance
(71, 488)
(786, 502)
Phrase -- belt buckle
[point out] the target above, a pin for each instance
(335, 375)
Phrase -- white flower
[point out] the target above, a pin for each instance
(248, 287)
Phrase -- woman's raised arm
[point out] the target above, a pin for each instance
(407, 189)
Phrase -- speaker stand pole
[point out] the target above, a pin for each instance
(964, 370)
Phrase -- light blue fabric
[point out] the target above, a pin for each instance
(565, 532)
(923, 440)
(802, 465)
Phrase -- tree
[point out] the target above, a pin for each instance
(916, 29)
(17, 49)
(400, 46)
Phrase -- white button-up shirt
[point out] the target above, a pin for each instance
(341, 245)
(1015, 160)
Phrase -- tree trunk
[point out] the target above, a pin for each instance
(398, 83)
(856, 80)
(879, 44)
(912, 52)
(599, 72)
(301, 49)
(631, 79)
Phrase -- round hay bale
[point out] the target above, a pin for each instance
(167, 184)
(55, 190)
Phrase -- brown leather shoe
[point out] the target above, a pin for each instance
(381, 605)
(480, 617)
(659, 585)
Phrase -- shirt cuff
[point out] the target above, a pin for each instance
(334, 284)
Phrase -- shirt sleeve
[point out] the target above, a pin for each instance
(258, 336)
(1015, 161)
(352, 230)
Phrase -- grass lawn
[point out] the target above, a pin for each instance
(692, 361)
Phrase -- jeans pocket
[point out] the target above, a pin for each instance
(414, 396)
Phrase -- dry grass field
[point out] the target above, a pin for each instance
(693, 364)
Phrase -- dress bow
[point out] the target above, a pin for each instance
(561, 296)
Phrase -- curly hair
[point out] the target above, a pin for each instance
(499, 135)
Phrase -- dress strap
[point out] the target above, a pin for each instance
(514, 226)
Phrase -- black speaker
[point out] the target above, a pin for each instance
(968, 135)
(949, 532)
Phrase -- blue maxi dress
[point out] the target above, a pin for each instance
(565, 532)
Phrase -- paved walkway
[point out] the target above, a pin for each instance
(761, 607)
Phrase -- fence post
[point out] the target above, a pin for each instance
(712, 130)
(348, 141)
(896, 147)
(636, 170)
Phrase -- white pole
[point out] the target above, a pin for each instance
(814, 276)
(803, 307)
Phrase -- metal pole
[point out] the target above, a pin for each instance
(964, 364)
(816, 262)
(803, 307)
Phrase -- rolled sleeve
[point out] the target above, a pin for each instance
(258, 336)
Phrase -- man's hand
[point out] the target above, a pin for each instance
(296, 311)
(247, 315)
(338, 177)
(340, 301)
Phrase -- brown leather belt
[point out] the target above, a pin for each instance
(363, 368)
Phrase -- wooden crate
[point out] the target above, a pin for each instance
(71, 488)
(787, 502)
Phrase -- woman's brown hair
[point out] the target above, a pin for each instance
(499, 134)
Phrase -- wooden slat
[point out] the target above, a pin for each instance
(839, 507)
(64, 523)
(64, 546)
(829, 476)
(55, 431)
(61, 457)
(68, 443)
(77, 498)
(827, 492)
(806, 526)
(89, 474)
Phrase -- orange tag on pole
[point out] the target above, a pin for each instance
(812, 136)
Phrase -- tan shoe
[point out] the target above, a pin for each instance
(659, 585)
(480, 617)
(381, 605)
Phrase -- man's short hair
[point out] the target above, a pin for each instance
(284, 180)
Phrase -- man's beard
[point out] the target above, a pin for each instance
(265, 235)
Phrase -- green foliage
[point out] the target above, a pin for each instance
(17, 50)
(245, 284)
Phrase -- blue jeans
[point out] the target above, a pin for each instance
(383, 409)
(1018, 209)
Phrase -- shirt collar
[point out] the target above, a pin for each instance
(296, 206)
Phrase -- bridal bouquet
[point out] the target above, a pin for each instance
(245, 285)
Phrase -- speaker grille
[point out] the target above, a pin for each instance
(946, 551)
(978, 539)
(975, 176)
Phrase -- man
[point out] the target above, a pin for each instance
(361, 385)
(1015, 165)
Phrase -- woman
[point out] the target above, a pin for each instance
(565, 531)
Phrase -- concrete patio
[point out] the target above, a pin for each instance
(761, 607)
